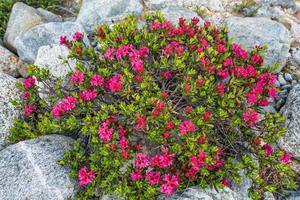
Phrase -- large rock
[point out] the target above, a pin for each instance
(93, 12)
(253, 31)
(28, 43)
(8, 112)
(173, 13)
(9, 62)
(53, 57)
(214, 5)
(22, 18)
(49, 16)
(291, 111)
(30, 170)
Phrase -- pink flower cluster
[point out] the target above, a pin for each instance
(105, 132)
(85, 177)
(97, 80)
(170, 184)
(77, 77)
(29, 82)
(88, 95)
(239, 52)
(250, 117)
(173, 47)
(186, 127)
(141, 121)
(28, 110)
(135, 56)
(163, 161)
(69, 103)
(114, 84)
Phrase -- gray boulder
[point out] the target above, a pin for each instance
(93, 12)
(8, 112)
(22, 18)
(291, 111)
(53, 57)
(214, 5)
(172, 13)
(28, 43)
(49, 16)
(9, 62)
(30, 170)
(253, 31)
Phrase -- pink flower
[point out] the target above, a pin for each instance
(28, 110)
(169, 125)
(220, 88)
(141, 122)
(256, 59)
(88, 95)
(77, 77)
(25, 95)
(206, 116)
(155, 26)
(272, 92)
(251, 117)
(163, 161)
(142, 161)
(153, 177)
(226, 182)
(85, 177)
(251, 71)
(105, 133)
(228, 62)
(57, 110)
(166, 74)
(263, 102)
(186, 127)
(115, 83)
(69, 103)
(195, 20)
(170, 185)
(136, 176)
(143, 51)
(109, 54)
(285, 158)
(29, 82)
(63, 40)
(238, 51)
(97, 80)
(198, 161)
(221, 49)
(251, 98)
(77, 36)
(200, 82)
(268, 149)
(223, 73)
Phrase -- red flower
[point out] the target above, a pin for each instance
(188, 109)
(200, 83)
(220, 88)
(268, 149)
(115, 83)
(187, 88)
(77, 36)
(77, 77)
(141, 161)
(226, 182)
(251, 117)
(141, 121)
(29, 82)
(28, 110)
(169, 125)
(202, 140)
(206, 116)
(285, 158)
(97, 80)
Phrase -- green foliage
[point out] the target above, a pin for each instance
(217, 128)
(248, 6)
(6, 6)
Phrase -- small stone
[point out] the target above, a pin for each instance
(9, 62)
(279, 103)
(281, 80)
(269, 109)
(277, 84)
(288, 77)
(30, 170)
(294, 82)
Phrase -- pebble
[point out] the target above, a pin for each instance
(294, 82)
(288, 77)
(287, 87)
(279, 104)
(281, 80)
(277, 84)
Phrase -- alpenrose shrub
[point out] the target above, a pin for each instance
(158, 109)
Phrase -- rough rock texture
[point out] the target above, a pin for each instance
(52, 57)
(49, 16)
(291, 111)
(29, 170)
(93, 12)
(172, 13)
(21, 19)
(9, 62)
(8, 112)
(29, 42)
(253, 31)
(207, 194)
(214, 5)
